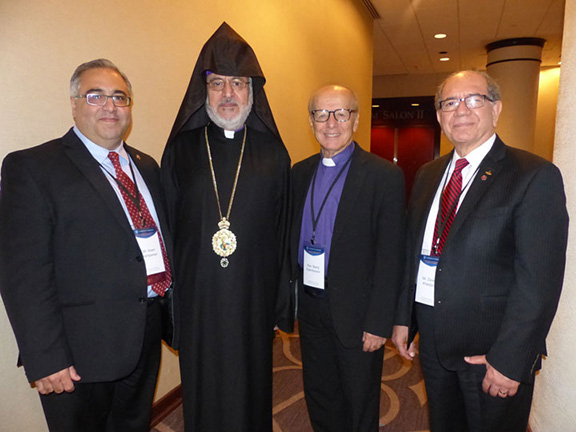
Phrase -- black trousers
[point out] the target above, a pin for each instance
(341, 385)
(123, 405)
(456, 400)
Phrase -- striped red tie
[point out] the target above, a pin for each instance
(142, 219)
(450, 199)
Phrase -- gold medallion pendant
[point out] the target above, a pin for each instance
(224, 242)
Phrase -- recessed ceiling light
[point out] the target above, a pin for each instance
(375, 106)
(444, 58)
(415, 104)
(439, 36)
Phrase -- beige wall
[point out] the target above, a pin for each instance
(426, 85)
(301, 45)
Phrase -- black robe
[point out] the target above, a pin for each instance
(227, 315)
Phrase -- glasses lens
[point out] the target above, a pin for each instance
(321, 115)
(342, 115)
(216, 84)
(96, 99)
(450, 104)
(238, 84)
(474, 101)
(121, 100)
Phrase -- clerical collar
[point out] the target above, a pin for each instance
(230, 133)
(340, 157)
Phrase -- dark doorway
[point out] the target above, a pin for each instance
(405, 132)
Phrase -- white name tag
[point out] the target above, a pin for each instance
(149, 242)
(426, 279)
(313, 269)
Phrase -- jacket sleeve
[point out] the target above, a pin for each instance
(540, 232)
(389, 247)
(27, 281)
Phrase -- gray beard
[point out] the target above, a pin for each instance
(233, 123)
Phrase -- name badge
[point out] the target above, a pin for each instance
(313, 268)
(149, 241)
(426, 279)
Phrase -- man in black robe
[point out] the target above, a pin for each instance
(226, 175)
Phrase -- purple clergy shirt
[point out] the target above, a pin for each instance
(325, 227)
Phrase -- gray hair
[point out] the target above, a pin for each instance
(95, 64)
(493, 87)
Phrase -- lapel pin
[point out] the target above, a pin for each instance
(138, 157)
(484, 176)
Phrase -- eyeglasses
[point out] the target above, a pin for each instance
(472, 102)
(340, 115)
(236, 83)
(98, 99)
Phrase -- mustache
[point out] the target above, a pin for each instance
(227, 101)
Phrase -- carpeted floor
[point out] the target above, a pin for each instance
(403, 399)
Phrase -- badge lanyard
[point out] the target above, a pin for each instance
(134, 199)
(317, 218)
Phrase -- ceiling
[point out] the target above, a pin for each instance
(404, 32)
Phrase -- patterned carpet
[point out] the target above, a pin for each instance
(403, 399)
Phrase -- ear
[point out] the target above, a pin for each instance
(73, 105)
(356, 122)
(496, 110)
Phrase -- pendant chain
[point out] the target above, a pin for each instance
(214, 174)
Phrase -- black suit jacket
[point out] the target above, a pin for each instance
(72, 275)
(499, 277)
(366, 255)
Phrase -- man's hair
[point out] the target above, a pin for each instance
(493, 87)
(95, 64)
(334, 87)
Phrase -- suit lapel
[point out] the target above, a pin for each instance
(81, 157)
(353, 184)
(487, 171)
(431, 183)
(301, 186)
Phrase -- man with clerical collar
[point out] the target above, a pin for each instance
(84, 269)
(346, 248)
(486, 242)
(226, 174)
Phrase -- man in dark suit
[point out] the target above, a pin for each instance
(83, 262)
(346, 245)
(485, 264)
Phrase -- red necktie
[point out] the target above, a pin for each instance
(450, 199)
(142, 218)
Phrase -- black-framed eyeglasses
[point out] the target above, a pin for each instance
(218, 84)
(98, 99)
(472, 101)
(340, 115)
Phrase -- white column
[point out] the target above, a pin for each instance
(554, 407)
(515, 64)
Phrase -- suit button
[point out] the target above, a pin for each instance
(142, 299)
(139, 258)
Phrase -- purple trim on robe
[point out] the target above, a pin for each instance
(325, 227)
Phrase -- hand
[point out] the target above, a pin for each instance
(494, 382)
(58, 382)
(400, 339)
(372, 342)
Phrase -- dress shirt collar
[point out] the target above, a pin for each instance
(100, 153)
(476, 156)
(340, 158)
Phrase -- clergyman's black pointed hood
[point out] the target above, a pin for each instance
(225, 53)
